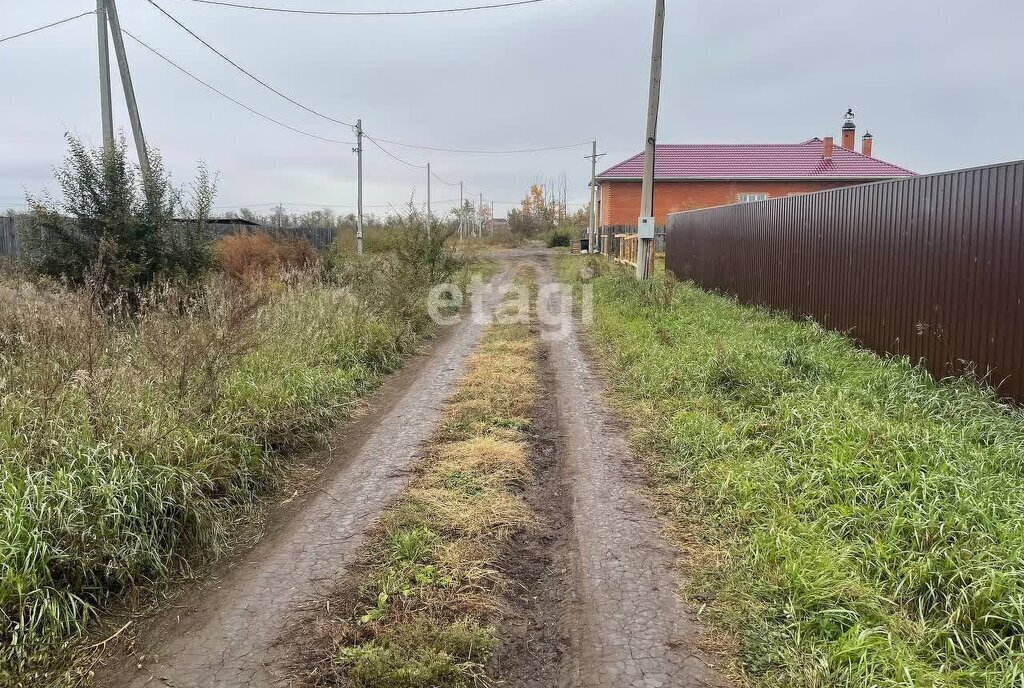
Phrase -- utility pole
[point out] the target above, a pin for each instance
(106, 108)
(462, 212)
(592, 232)
(428, 197)
(645, 227)
(358, 150)
(480, 231)
(129, 90)
(492, 218)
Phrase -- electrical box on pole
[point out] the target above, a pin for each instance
(645, 228)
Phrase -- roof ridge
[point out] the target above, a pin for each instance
(874, 159)
(802, 143)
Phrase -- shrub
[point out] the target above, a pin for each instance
(525, 224)
(559, 237)
(253, 256)
(114, 231)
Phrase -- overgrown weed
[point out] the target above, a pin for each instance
(134, 442)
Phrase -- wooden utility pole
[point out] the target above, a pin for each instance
(106, 108)
(129, 90)
(592, 232)
(358, 150)
(645, 226)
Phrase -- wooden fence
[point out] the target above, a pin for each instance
(927, 267)
(319, 237)
(609, 237)
(8, 238)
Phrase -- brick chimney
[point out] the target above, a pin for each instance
(865, 144)
(849, 131)
(826, 149)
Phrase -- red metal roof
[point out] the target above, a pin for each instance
(756, 161)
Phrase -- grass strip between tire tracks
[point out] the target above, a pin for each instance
(425, 611)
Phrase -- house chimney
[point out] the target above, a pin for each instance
(849, 131)
(865, 144)
(826, 150)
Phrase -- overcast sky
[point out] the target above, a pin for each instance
(938, 83)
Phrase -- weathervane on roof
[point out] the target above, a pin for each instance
(849, 115)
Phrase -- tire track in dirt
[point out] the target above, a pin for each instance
(628, 627)
(228, 636)
(535, 646)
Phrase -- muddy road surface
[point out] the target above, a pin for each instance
(228, 634)
(627, 626)
(595, 601)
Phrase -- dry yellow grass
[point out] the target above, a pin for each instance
(434, 558)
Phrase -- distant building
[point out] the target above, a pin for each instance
(690, 176)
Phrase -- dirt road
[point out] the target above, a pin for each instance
(597, 605)
(228, 634)
(629, 627)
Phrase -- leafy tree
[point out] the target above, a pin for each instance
(115, 231)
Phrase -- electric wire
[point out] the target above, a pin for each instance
(485, 152)
(392, 155)
(315, 205)
(225, 95)
(246, 72)
(313, 111)
(48, 26)
(368, 13)
(441, 179)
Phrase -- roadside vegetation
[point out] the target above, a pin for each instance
(154, 393)
(423, 615)
(847, 520)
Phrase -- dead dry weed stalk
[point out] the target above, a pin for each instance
(425, 613)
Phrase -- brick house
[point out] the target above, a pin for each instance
(690, 176)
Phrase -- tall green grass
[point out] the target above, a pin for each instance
(855, 522)
(130, 449)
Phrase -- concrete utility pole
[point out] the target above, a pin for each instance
(106, 108)
(492, 218)
(358, 150)
(480, 231)
(645, 226)
(129, 90)
(462, 212)
(428, 197)
(592, 232)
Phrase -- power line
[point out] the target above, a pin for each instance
(313, 111)
(433, 174)
(225, 95)
(48, 26)
(392, 155)
(243, 70)
(443, 180)
(314, 205)
(368, 13)
(485, 152)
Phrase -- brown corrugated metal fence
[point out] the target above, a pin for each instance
(928, 267)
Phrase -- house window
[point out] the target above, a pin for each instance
(751, 197)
